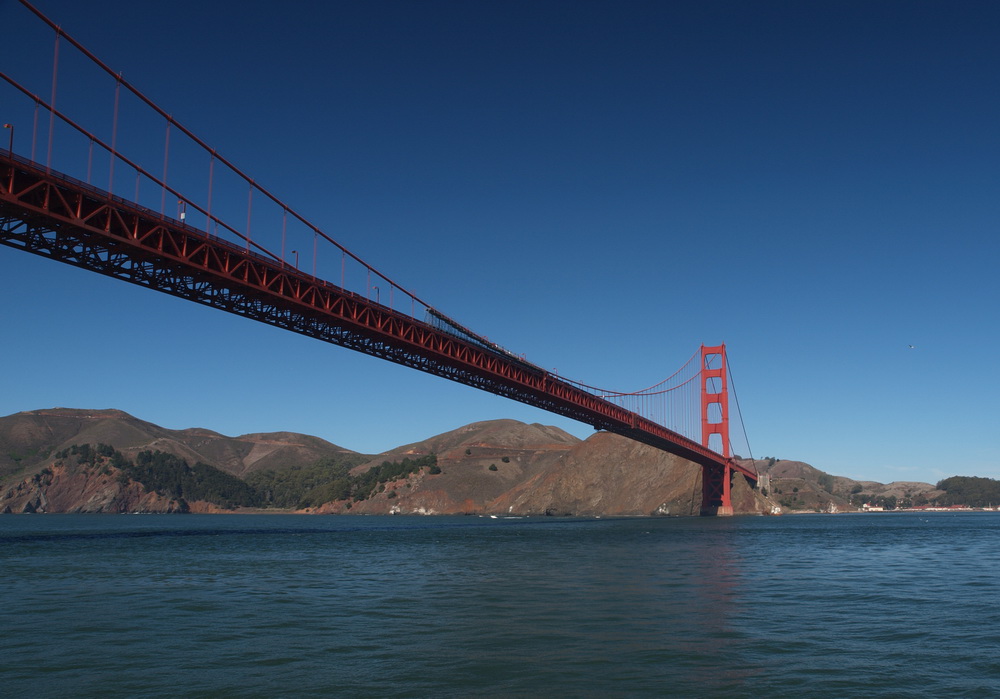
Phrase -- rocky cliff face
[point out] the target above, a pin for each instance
(62, 488)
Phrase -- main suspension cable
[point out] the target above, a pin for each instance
(739, 412)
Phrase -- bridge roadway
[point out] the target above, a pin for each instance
(56, 216)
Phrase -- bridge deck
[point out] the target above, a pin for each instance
(56, 216)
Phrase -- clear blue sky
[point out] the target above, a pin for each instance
(602, 186)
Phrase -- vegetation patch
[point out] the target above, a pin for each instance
(365, 484)
(165, 474)
(327, 480)
(969, 490)
(303, 486)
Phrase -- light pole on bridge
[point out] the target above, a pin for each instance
(296, 253)
(10, 147)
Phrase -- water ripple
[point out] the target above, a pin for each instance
(887, 605)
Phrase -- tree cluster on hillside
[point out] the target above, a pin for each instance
(290, 487)
(337, 483)
(368, 482)
(169, 475)
(969, 490)
(859, 498)
(327, 480)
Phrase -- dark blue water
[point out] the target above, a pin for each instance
(263, 606)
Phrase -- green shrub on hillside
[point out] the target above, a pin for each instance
(969, 490)
(330, 480)
(366, 483)
(327, 480)
(305, 486)
(165, 474)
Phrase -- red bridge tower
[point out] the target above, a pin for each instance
(716, 480)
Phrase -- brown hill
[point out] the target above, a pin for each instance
(496, 467)
(504, 467)
(479, 463)
(508, 435)
(609, 474)
(28, 439)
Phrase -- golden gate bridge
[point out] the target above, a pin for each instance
(97, 197)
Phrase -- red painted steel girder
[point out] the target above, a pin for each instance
(58, 217)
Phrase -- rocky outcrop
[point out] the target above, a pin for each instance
(84, 489)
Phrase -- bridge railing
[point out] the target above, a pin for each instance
(669, 404)
(271, 227)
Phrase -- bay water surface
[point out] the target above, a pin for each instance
(888, 604)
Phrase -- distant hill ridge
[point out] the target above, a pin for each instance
(28, 438)
(490, 467)
(797, 486)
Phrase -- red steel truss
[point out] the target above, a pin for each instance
(55, 216)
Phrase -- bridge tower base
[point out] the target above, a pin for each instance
(716, 491)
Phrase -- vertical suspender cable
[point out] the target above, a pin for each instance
(114, 137)
(34, 133)
(166, 159)
(208, 207)
(52, 103)
(249, 213)
(740, 413)
(284, 227)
